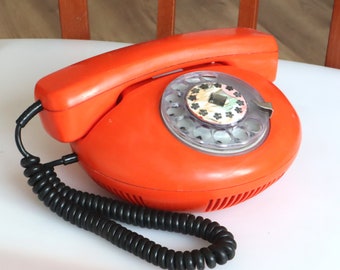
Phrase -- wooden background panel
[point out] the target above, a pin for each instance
(300, 26)
(29, 19)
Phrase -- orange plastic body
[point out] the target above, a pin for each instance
(127, 148)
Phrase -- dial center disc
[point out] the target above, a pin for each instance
(216, 103)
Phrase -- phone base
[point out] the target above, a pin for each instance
(144, 163)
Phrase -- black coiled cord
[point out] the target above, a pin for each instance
(96, 214)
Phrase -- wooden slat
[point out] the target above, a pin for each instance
(74, 20)
(248, 13)
(333, 48)
(166, 18)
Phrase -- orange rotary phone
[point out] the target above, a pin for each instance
(189, 122)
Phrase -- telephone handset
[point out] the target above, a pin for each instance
(189, 122)
(90, 88)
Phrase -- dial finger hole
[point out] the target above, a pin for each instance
(222, 137)
(185, 125)
(252, 125)
(240, 134)
(173, 98)
(202, 133)
(175, 111)
(193, 80)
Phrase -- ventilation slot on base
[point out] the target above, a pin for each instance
(235, 199)
(126, 196)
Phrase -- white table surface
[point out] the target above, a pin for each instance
(294, 224)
